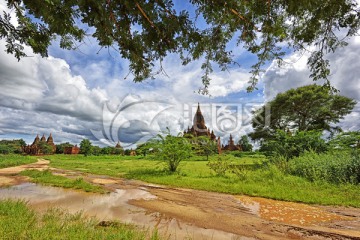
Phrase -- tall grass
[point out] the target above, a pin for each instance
(335, 167)
(18, 221)
(10, 160)
(47, 178)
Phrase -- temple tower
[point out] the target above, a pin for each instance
(43, 139)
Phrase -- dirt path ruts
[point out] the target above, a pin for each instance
(245, 216)
(41, 164)
(8, 176)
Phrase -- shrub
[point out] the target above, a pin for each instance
(172, 150)
(346, 140)
(335, 167)
(219, 166)
(241, 171)
(291, 145)
(281, 162)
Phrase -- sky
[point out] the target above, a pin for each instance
(89, 94)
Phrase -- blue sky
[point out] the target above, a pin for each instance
(84, 94)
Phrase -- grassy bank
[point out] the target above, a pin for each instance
(47, 178)
(17, 221)
(266, 182)
(10, 160)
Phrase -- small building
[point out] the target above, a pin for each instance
(72, 150)
(231, 146)
(132, 152)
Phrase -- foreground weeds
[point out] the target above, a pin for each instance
(18, 221)
(334, 167)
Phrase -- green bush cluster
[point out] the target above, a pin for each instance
(291, 145)
(11, 146)
(334, 167)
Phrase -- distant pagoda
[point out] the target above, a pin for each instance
(35, 148)
(200, 129)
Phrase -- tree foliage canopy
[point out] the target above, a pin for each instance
(86, 147)
(12, 146)
(289, 145)
(172, 150)
(60, 147)
(346, 140)
(245, 144)
(145, 31)
(306, 108)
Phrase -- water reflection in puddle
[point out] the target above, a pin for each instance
(113, 206)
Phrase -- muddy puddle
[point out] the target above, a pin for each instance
(289, 212)
(112, 206)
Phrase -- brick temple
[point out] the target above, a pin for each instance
(199, 128)
(36, 147)
(72, 150)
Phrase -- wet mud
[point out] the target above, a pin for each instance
(185, 213)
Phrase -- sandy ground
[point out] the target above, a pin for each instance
(41, 164)
(244, 216)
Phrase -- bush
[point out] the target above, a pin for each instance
(346, 140)
(291, 145)
(334, 167)
(172, 150)
(220, 166)
(241, 171)
(281, 162)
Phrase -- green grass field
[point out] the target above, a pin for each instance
(47, 178)
(18, 221)
(266, 182)
(10, 160)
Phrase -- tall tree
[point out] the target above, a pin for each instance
(306, 108)
(245, 144)
(144, 32)
(172, 150)
(204, 146)
(86, 147)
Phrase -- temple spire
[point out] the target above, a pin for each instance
(43, 139)
(231, 140)
(50, 139)
(199, 121)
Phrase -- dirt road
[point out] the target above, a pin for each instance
(207, 215)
